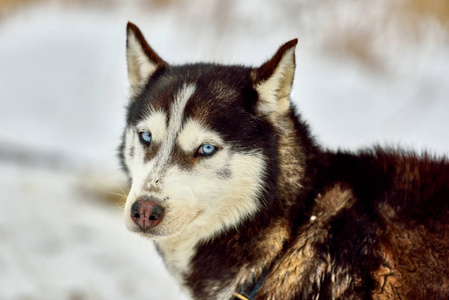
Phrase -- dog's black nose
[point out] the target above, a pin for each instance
(146, 213)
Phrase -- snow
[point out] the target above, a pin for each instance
(58, 242)
(63, 92)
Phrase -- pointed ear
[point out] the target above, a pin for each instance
(273, 81)
(142, 60)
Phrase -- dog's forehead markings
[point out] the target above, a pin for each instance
(174, 123)
(178, 106)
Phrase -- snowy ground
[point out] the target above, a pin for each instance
(63, 89)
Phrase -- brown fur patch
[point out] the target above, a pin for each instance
(154, 188)
(151, 150)
(332, 201)
(303, 267)
(416, 260)
(291, 170)
(183, 160)
(267, 245)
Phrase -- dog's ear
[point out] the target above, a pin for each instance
(142, 60)
(273, 81)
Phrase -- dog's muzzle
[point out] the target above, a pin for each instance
(146, 213)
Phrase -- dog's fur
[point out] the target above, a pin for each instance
(271, 206)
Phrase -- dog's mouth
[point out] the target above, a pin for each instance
(156, 230)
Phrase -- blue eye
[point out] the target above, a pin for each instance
(145, 137)
(207, 149)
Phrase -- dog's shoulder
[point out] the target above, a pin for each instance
(377, 228)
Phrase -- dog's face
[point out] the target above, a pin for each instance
(198, 138)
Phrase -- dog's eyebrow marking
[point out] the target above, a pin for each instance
(156, 124)
(193, 134)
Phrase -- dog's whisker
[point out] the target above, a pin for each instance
(124, 194)
(116, 194)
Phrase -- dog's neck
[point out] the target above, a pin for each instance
(178, 251)
(291, 161)
(190, 253)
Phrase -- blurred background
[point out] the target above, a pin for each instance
(367, 72)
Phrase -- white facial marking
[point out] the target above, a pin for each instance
(129, 148)
(144, 173)
(193, 135)
(199, 201)
(221, 203)
(156, 124)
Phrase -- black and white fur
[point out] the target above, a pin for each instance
(317, 224)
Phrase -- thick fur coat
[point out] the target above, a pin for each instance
(226, 177)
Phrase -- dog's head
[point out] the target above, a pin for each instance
(200, 139)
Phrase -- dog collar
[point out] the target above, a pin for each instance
(248, 291)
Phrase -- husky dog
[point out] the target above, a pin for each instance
(243, 204)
